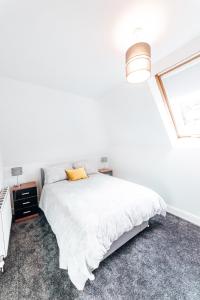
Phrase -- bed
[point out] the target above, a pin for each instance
(93, 217)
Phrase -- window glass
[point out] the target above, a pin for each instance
(181, 91)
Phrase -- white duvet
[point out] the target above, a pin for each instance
(88, 215)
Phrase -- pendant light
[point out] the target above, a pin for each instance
(138, 62)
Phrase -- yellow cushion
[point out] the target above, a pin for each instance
(76, 174)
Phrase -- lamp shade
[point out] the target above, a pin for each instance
(17, 171)
(138, 62)
(104, 159)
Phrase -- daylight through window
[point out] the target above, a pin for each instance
(180, 88)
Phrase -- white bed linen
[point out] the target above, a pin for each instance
(88, 215)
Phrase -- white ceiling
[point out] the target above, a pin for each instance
(78, 46)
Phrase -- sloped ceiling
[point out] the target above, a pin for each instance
(79, 46)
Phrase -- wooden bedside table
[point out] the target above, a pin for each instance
(25, 201)
(106, 171)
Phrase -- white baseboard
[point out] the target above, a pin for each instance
(184, 215)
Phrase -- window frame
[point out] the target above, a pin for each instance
(163, 92)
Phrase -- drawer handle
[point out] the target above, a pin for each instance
(24, 203)
(27, 193)
(26, 212)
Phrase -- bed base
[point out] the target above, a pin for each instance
(124, 238)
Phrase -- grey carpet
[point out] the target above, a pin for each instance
(163, 262)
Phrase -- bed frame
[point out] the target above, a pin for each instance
(42, 177)
(123, 239)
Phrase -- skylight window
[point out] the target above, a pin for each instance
(180, 88)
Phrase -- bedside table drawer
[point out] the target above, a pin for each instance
(26, 212)
(23, 203)
(25, 193)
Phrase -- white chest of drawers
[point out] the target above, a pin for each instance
(5, 221)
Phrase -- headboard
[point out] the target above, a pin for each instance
(42, 176)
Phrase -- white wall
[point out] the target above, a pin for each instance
(142, 152)
(1, 171)
(40, 126)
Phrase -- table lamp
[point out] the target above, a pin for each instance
(104, 162)
(17, 171)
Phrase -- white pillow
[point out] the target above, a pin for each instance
(89, 168)
(56, 173)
